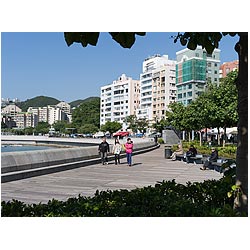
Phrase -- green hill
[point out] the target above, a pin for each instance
(78, 102)
(39, 101)
(88, 112)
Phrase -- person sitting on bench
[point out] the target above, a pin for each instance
(178, 151)
(213, 158)
(192, 152)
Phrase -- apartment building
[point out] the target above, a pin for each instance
(66, 108)
(41, 112)
(50, 113)
(8, 115)
(55, 114)
(227, 67)
(158, 87)
(11, 110)
(119, 99)
(25, 120)
(194, 69)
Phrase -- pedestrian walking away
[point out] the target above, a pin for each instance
(116, 151)
(103, 149)
(129, 149)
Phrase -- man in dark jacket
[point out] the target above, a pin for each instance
(103, 150)
(213, 158)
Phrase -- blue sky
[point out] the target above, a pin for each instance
(38, 63)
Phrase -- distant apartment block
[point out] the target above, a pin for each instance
(13, 116)
(227, 67)
(41, 112)
(158, 87)
(194, 69)
(119, 99)
(25, 120)
(11, 110)
(50, 113)
(64, 106)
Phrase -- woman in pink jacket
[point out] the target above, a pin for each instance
(129, 149)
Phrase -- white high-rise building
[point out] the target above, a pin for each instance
(55, 114)
(119, 99)
(65, 107)
(158, 87)
(50, 114)
(41, 112)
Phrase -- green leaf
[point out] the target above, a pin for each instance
(125, 39)
(192, 45)
(84, 38)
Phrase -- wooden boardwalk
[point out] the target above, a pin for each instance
(147, 169)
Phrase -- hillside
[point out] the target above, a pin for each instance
(43, 101)
(39, 101)
(78, 102)
(87, 113)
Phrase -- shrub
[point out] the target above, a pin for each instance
(160, 141)
(166, 198)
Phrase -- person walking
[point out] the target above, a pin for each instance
(104, 150)
(116, 151)
(129, 149)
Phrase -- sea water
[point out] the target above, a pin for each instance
(16, 148)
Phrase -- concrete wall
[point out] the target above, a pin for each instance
(18, 161)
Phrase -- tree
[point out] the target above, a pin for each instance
(87, 129)
(224, 101)
(87, 113)
(42, 127)
(28, 131)
(3, 125)
(112, 127)
(60, 126)
(174, 117)
(209, 41)
(141, 125)
(131, 121)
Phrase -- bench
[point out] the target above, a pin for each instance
(198, 159)
(221, 165)
(180, 158)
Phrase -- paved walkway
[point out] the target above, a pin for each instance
(147, 169)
